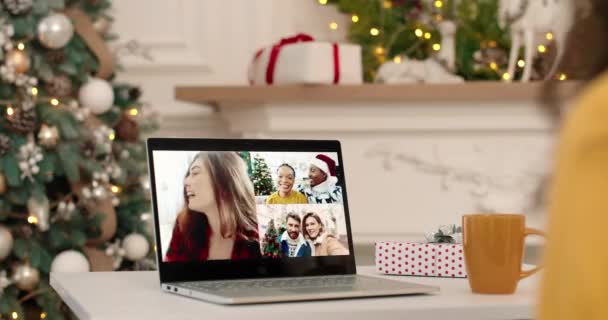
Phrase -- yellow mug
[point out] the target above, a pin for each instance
(493, 251)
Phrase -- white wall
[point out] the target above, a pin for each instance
(413, 166)
(207, 42)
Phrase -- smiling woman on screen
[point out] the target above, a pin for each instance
(219, 220)
(285, 194)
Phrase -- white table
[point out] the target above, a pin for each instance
(136, 295)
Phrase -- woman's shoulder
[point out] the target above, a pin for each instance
(334, 247)
(246, 249)
(597, 87)
(272, 197)
(180, 220)
(593, 99)
(587, 120)
(330, 238)
(300, 196)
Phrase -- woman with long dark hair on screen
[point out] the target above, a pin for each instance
(575, 281)
(219, 220)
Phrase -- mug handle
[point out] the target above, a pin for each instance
(528, 232)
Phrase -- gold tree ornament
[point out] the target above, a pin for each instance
(19, 60)
(3, 186)
(39, 213)
(26, 277)
(48, 136)
(102, 25)
(6, 242)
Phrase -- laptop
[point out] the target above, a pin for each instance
(256, 221)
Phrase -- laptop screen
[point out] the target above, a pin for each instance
(248, 205)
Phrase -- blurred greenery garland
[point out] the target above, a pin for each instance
(387, 29)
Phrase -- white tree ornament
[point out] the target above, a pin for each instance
(136, 247)
(97, 95)
(70, 261)
(4, 281)
(55, 30)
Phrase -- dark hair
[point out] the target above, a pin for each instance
(233, 192)
(316, 217)
(294, 216)
(586, 52)
(288, 166)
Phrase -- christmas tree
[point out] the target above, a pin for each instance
(416, 29)
(74, 194)
(270, 244)
(261, 178)
(246, 156)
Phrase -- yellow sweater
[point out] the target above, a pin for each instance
(294, 197)
(575, 283)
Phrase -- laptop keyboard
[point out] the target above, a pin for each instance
(276, 283)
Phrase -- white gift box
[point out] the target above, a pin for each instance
(308, 62)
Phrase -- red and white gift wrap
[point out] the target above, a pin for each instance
(420, 259)
(302, 60)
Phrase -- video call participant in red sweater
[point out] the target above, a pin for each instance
(219, 220)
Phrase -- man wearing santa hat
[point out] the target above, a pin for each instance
(323, 180)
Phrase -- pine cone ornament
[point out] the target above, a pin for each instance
(88, 149)
(55, 56)
(59, 86)
(5, 144)
(134, 93)
(17, 7)
(127, 129)
(22, 121)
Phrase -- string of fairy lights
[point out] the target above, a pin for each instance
(33, 93)
(436, 46)
(53, 101)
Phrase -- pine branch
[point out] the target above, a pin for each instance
(32, 295)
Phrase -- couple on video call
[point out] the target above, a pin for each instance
(218, 221)
(321, 187)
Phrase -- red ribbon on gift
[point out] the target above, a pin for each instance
(276, 49)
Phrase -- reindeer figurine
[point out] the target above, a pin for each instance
(528, 19)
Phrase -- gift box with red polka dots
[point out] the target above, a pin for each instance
(420, 259)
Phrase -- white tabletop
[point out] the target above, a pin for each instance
(137, 295)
